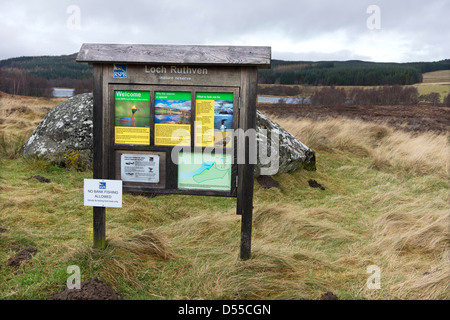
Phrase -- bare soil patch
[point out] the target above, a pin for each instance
(267, 182)
(40, 179)
(419, 118)
(315, 184)
(24, 253)
(93, 289)
(329, 296)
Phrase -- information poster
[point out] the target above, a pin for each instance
(204, 171)
(132, 117)
(139, 167)
(173, 118)
(214, 119)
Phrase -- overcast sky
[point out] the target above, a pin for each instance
(371, 30)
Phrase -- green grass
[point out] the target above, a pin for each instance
(427, 88)
(436, 81)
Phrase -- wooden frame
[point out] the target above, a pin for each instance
(215, 69)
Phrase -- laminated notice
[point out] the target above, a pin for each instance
(140, 167)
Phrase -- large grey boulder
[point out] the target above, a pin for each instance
(278, 150)
(65, 138)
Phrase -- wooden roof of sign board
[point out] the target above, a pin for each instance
(175, 54)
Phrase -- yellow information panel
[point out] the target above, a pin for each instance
(213, 119)
(131, 135)
(172, 134)
(204, 123)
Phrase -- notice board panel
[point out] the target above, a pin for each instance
(173, 110)
(141, 168)
(175, 123)
(204, 171)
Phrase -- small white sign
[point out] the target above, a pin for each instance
(140, 167)
(103, 193)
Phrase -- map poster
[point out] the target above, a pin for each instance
(214, 119)
(139, 167)
(131, 117)
(173, 118)
(204, 171)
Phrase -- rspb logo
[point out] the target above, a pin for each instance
(120, 70)
(102, 185)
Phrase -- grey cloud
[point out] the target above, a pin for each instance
(39, 29)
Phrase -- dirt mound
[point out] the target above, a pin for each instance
(25, 253)
(267, 182)
(329, 296)
(93, 289)
(315, 184)
(40, 179)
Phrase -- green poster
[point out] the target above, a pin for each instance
(172, 118)
(132, 117)
(214, 119)
(132, 108)
(223, 109)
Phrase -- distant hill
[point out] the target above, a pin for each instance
(353, 72)
(64, 70)
(36, 76)
(50, 67)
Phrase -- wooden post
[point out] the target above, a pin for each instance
(247, 120)
(99, 227)
(99, 213)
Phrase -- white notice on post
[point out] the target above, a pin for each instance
(103, 193)
(139, 167)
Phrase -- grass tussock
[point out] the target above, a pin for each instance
(415, 229)
(10, 145)
(146, 243)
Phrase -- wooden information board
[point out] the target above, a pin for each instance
(165, 118)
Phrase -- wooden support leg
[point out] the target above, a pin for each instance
(246, 236)
(99, 228)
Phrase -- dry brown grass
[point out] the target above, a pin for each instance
(146, 243)
(391, 150)
(410, 237)
(21, 114)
